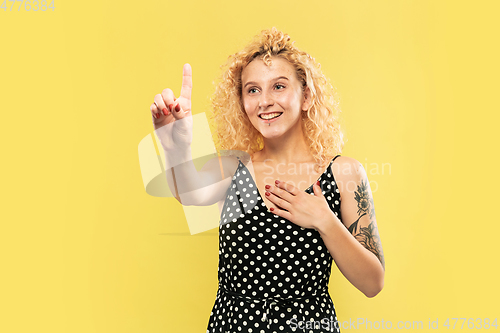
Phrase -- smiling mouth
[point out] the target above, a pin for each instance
(270, 116)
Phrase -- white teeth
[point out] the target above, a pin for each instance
(270, 115)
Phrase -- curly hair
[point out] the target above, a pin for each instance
(320, 124)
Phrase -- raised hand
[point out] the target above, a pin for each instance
(173, 115)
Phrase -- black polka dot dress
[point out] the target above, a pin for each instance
(273, 274)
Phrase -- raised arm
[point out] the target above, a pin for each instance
(354, 243)
(173, 123)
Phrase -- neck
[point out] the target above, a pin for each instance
(291, 149)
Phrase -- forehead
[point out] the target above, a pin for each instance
(257, 70)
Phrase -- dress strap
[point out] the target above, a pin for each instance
(331, 162)
(335, 158)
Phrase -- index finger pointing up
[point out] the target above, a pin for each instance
(187, 82)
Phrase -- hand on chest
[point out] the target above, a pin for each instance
(301, 176)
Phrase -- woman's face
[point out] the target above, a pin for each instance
(273, 91)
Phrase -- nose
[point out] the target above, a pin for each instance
(265, 101)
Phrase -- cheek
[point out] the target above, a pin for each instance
(291, 100)
(299, 99)
(248, 105)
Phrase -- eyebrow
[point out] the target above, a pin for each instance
(275, 79)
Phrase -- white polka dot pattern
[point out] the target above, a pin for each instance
(273, 274)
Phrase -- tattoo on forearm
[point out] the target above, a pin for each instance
(367, 236)
(371, 241)
(352, 228)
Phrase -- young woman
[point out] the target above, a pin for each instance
(290, 209)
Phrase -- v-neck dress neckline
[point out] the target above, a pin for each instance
(307, 190)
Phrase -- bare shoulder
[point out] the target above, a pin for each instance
(347, 170)
(342, 163)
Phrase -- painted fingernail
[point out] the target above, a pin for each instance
(165, 111)
(268, 187)
(170, 107)
(268, 194)
(177, 108)
(271, 209)
(157, 115)
(277, 181)
(317, 183)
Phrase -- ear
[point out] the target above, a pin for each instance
(307, 103)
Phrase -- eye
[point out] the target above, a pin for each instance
(279, 86)
(252, 90)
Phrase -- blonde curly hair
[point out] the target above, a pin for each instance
(320, 124)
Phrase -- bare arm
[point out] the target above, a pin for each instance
(173, 123)
(200, 188)
(355, 245)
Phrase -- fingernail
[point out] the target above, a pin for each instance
(271, 209)
(277, 182)
(165, 112)
(170, 107)
(157, 115)
(268, 187)
(317, 183)
(268, 194)
(177, 108)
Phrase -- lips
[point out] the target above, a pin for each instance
(273, 115)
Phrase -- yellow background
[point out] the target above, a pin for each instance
(85, 249)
